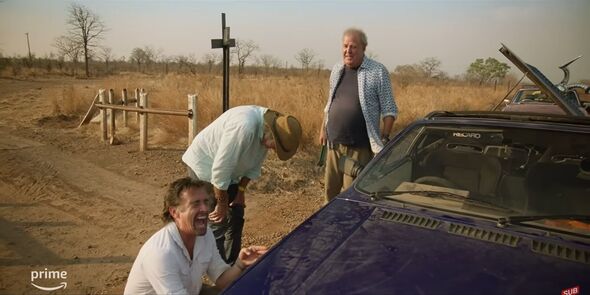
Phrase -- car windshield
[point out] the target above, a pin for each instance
(531, 96)
(488, 171)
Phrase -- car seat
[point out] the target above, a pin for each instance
(462, 166)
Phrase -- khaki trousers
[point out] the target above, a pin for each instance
(336, 180)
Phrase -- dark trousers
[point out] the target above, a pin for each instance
(228, 233)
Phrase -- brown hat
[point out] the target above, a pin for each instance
(286, 132)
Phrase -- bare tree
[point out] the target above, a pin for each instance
(268, 61)
(86, 29)
(150, 56)
(106, 53)
(243, 51)
(67, 48)
(305, 57)
(138, 57)
(188, 62)
(210, 59)
(430, 66)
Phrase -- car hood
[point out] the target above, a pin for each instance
(535, 107)
(354, 247)
(567, 105)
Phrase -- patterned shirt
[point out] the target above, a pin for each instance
(375, 95)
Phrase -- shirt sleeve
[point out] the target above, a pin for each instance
(163, 273)
(386, 99)
(217, 266)
(235, 140)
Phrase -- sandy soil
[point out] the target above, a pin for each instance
(69, 202)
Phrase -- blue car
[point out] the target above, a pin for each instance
(456, 203)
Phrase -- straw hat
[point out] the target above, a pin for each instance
(286, 132)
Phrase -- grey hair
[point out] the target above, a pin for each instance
(358, 32)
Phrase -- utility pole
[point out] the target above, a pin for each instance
(29, 47)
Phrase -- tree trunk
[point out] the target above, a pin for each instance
(86, 59)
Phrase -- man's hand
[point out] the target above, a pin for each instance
(323, 138)
(249, 255)
(219, 213)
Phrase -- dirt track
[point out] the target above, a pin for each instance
(70, 203)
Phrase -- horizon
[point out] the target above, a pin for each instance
(545, 33)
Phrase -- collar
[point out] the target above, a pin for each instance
(175, 234)
(363, 65)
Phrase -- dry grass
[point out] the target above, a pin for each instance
(71, 99)
(415, 101)
(301, 96)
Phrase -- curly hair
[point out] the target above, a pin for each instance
(172, 197)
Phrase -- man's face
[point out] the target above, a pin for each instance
(352, 51)
(191, 214)
(268, 141)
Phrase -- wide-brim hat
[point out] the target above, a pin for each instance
(286, 132)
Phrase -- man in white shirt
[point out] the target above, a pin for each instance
(175, 258)
(229, 153)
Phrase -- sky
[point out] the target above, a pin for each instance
(544, 33)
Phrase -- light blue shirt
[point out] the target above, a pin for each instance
(229, 148)
(375, 95)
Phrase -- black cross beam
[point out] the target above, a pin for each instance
(225, 42)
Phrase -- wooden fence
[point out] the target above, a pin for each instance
(108, 107)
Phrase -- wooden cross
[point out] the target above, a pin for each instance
(224, 43)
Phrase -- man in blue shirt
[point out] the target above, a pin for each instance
(229, 153)
(360, 94)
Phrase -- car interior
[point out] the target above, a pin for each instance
(528, 171)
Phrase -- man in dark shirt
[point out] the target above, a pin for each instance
(360, 94)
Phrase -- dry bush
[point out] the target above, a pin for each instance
(71, 100)
(302, 96)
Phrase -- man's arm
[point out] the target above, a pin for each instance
(221, 207)
(246, 258)
(323, 137)
(387, 126)
(233, 143)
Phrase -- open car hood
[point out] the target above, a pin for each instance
(569, 107)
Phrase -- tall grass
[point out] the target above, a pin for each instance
(301, 96)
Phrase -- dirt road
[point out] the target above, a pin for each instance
(70, 203)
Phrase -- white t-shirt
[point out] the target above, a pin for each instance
(163, 265)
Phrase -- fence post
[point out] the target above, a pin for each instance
(137, 105)
(124, 99)
(103, 115)
(112, 115)
(143, 122)
(192, 121)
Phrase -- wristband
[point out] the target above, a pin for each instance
(241, 188)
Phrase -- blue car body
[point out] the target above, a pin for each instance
(361, 244)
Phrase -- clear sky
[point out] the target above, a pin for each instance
(543, 33)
